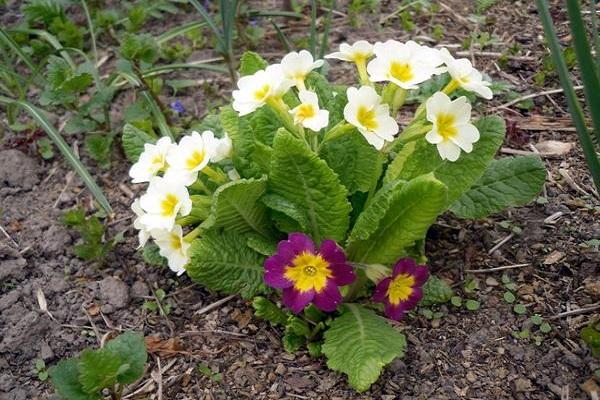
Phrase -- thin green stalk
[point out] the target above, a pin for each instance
(53, 41)
(313, 28)
(208, 19)
(64, 148)
(92, 33)
(325, 37)
(595, 34)
(282, 38)
(274, 13)
(8, 40)
(179, 30)
(572, 101)
(163, 69)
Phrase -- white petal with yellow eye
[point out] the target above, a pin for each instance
(173, 247)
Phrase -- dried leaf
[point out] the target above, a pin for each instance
(554, 257)
(554, 147)
(164, 348)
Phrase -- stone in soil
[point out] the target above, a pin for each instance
(18, 170)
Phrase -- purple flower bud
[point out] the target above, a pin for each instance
(177, 107)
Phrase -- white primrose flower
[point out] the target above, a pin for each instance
(173, 247)
(191, 155)
(254, 90)
(151, 161)
(296, 66)
(462, 72)
(143, 231)
(164, 200)
(357, 52)
(452, 130)
(308, 113)
(404, 64)
(372, 118)
(221, 147)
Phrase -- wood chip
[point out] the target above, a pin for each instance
(554, 257)
(554, 147)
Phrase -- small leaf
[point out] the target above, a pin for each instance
(130, 346)
(436, 291)
(292, 342)
(456, 301)
(509, 297)
(98, 369)
(151, 255)
(251, 62)
(139, 48)
(314, 349)
(359, 343)
(472, 305)
(536, 319)
(133, 141)
(267, 310)
(519, 309)
(65, 379)
(545, 327)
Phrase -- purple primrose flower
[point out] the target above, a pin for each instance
(402, 291)
(308, 275)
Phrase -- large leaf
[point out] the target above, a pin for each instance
(98, 369)
(223, 262)
(422, 157)
(509, 182)
(357, 163)
(299, 176)
(411, 210)
(134, 140)
(359, 343)
(65, 379)
(243, 143)
(131, 348)
(237, 207)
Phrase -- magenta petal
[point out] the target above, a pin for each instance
(332, 253)
(395, 312)
(343, 274)
(404, 266)
(301, 243)
(274, 273)
(413, 300)
(286, 251)
(421, 274)
(296, 300)
(381, 289)
(329, 298)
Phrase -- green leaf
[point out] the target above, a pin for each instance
(357, 163)
(224, 263)
(292, 342)
(79, 124)
(359, 343)
(545, 327)
(133, 141)
(212, 123)
(299, 176)
(289, 209)
(519, 309)
(243, 143)
(399, 218)
(472, 305)
(139, 48)
(250, 62)
(151, 255)
(508, 182)
(436, 291)
(131, 348)
(509, 297)
(422, 157)
(591, 336)
(65, 379)
(98, 369)
(262, 245)
(297, 326)
(62, 78)
(237, 207)
(267, 310)
(99, 146)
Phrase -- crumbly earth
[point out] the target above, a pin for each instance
(52, 304)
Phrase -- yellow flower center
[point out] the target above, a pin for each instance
(400, 288)
(308, 271)
(263, 92)
(175, 242)
(195, 159)
(446, 125)
(305, 111)
(366, 117)
(168, 205)
(401, 71)
(158, 160)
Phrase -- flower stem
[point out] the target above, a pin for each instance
(193, 234)
(451, 87)
(413, 132)
(200, 187)
(214, 175)
(361, 66)
(338, 130)
(283, 112)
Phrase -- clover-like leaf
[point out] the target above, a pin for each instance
(360, 343)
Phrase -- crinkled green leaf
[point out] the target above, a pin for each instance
(139, 48)
(306, 181)
(357, 163)
(413, 207)
(151, 255)
(236, 207)
(269, 311)
(286, 207)
(98, 369)
(508, 182)
(422, 158)
(264, 124)
(62, 78)
(133, 141)
(243, 143)
(292, 342)
(65, 379)
(436, 291)
(360, 343)
(250, 62)
(261, 244)
(99, 146)
(223, 262)
(130, 346)
(79, 124)
(331, 97)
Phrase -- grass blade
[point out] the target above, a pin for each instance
(5, 37)
(313, 28)
(161, 121)
(209, 20)
(53, 41)
(64, 148)
(179, 30)
(325, 37)
(274, 13)
(163, 69)
(92, 33)
(589, 75)
(282, 38)
(595, 34)
(565, 81)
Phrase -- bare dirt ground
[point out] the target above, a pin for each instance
(461, 354)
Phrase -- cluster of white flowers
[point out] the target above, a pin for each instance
(405, 65)
(170, 168)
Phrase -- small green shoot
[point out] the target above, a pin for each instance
(94, 247)
(509, 297)
(40, 368)
(205, 370)
(519, 309)
(472, 305)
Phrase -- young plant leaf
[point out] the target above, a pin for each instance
(267, 310)
(299, 176)
(133, 141)
(98, 369)
(224, 263)
(436, 291)
(65, 379)
(131, 348)
(508, 182)
(360, 343)
(250, 62)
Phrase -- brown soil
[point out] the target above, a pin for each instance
(462, 355)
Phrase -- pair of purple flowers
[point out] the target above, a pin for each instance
(310, 275)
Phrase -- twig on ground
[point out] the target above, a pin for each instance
(551, 220)
(532, 96)
(565, 174)
(94, 327)
(578, 311)
(485, 270)
(501, 243)
(214, 305)
(9, 237)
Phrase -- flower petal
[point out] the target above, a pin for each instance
(296, 300)
(448, 150)
(331, 252)
(343, 274)
(404, 266)
(381, 289)
(421, 274)
(275, 272)
(301, 243)
(329, 298)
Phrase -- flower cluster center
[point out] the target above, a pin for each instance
(400, 288)
(195, 159)
(308, 271)
(401, 71)
(305, 111)
(446, 125)
(366, 117)
(263, 92)
(168, 204)
(175, 242)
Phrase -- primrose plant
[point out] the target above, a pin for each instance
(313, 190)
